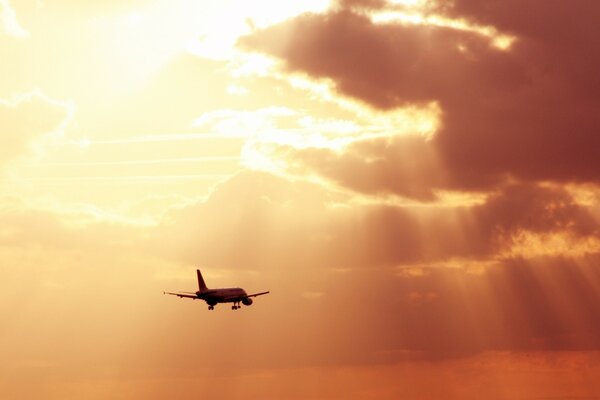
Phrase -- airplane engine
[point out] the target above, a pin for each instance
(247, 301)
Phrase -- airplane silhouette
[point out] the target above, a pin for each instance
(214, 296)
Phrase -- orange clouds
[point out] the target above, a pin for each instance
(513, 113)
(259, 220)
(469, 295)
(509, 123)
(404, 165)
(364, 129)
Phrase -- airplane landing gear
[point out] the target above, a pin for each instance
(235, 305)
(211, 307)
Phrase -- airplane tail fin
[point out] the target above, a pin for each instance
(201, 284)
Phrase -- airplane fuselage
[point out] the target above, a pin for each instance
(225, 295)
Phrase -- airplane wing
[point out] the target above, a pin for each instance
(257, 294)
(181, 295)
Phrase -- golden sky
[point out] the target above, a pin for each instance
(416, 182)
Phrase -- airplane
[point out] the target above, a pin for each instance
(214, 296)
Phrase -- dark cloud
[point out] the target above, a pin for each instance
(360, 4)
(386, 65)
(346, 258)
(555, 23)
(408, 283)
(404, 165)
(528, 113)
(546, 304)
(259, 221)
(536, 209)
(381, 272)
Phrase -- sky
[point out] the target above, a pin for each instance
(416, 182)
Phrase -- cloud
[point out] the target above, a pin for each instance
(559, 21)
(294, 238)
(259, 221)
(461, 280)
(358, 278)
(25, 118)
(9, 22)
(84, 284)
(510, 306)
(523, 113)
(402, 165)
